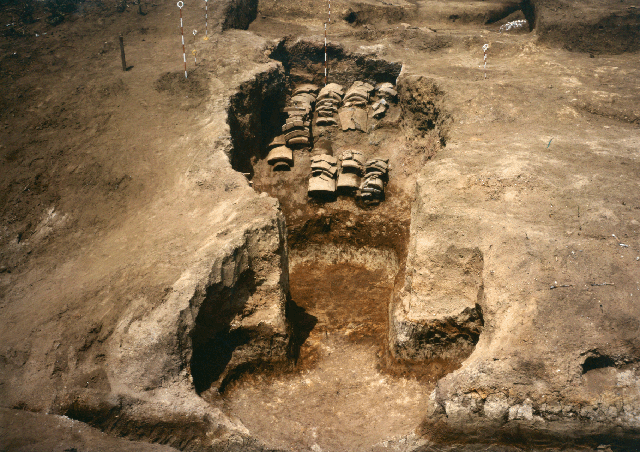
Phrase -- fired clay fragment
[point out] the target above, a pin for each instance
(348, 182)
(306, 88)
(297, 133)
(280, 154)
(321, 185)
(277, 141)
(281, 166)
(298, 141)
(326, 121)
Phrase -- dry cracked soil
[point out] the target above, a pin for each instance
(163, 288)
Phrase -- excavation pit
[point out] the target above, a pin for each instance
(338, 397)
(341, 389)
(343, 269)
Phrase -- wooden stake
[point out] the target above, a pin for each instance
(124, 62)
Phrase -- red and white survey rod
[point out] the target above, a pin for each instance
(184, 52)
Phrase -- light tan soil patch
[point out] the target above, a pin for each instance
(339, 399)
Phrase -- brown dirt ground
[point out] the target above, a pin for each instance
(90, 156)
(333, 397)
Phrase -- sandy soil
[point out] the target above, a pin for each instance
(107, 192)
(334, 399)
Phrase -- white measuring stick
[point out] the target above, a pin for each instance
(325, 45)
(195, 56)
(206, 20)
(325, 54)
(184, 53)
(484, 48)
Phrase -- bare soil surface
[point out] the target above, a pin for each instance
(334, 405)
(25, 431)
(117, 187)
(334, 400)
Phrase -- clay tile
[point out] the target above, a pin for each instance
(277, 141)
(280, 154)
(298, 141)
(326, 121)
(329, 159)
(319, 185)
(306, 88)
(385, 85)
(353, 159)
(334, 88)
(348, 182)
(281, 166)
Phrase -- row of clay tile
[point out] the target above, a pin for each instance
(351, 169)
(376, 175)
(328, 103)
(324, 169)
(299, 108)
(296, 130)
(323, 172)
(281, 158)
(357, 95)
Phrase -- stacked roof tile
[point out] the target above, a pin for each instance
(297, 131)
(328, 103)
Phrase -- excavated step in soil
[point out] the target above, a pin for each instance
(337, 399)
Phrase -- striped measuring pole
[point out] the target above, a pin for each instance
(325, 46)
(195, 55)
(325, 54)
(206, 20)
(485, 48)
(184, 52)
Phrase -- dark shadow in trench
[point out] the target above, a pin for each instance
(213, 341)
(302, 323)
